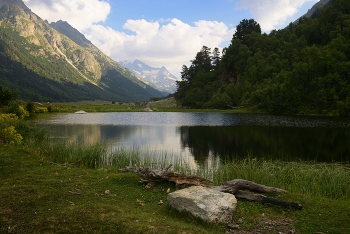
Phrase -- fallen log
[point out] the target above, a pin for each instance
(234, 186)
(237, 187)
(264, 199)
(150, 176)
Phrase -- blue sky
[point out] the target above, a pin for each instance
(165, 32)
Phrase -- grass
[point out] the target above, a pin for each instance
(63, 187)
(38, 196)
(43, 196)
(309, 178)
(164, 105)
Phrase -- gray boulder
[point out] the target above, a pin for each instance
(208, 204)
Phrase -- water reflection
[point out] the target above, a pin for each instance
(206, 137)
(275, 142)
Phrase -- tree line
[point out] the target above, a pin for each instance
(301, 69)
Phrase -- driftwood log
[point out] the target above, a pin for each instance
(240, 188)
(151, 176)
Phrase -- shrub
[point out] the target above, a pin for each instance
(9, 135)
(7, 95)
(8, 132)
(39, 109)
(17, 109)
(30, 107)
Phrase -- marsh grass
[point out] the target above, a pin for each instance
(309, 178)
(329, 180)
(50, 186)
(88, 156)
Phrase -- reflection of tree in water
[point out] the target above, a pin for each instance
(90, 134)
(204, 141)
(285, 143)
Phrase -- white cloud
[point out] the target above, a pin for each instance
(170, 44)
(81, 14)
(272, 13)
(165, 42)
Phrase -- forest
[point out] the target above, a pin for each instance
(301, 69)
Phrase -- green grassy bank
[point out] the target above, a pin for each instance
(44, 192)
(164, 105)
(60, 187)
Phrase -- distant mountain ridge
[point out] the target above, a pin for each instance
(57, 63)
(66, 29)
(161, 78)
(315, 8)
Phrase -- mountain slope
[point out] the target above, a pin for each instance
(315, 9)
(160, 77)
(46, 65)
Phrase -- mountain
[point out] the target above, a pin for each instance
(57, 63)
(315, 9)
(72, 33)
(159, 77)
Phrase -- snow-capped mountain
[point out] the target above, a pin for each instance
(159, 78)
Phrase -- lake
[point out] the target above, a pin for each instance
(201, 138)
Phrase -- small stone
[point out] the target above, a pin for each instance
(233, 226)
(107, 192)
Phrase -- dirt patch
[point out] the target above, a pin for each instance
(283, 226)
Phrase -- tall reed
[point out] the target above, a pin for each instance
(90, 156)
(311, 178)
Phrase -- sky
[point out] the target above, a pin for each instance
(165, 32)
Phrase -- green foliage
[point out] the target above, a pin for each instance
(6, 96)
(303, 68)
(40, 109)
(8, 133)
(30, 107)
(244, 29)
(17, 109)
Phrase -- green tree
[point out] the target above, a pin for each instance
(216, 58)
(30, 107)
(245, 28)
(202, 61)
(183, 85)
(7, 96)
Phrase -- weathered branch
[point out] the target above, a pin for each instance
(264, 199)
(156, 175)
(234, 186)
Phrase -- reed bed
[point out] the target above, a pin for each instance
(309, 178)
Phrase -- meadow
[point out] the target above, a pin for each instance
(58, 186)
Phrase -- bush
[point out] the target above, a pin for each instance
(10, 135)
(8, 132)
(39, 109)
(17, 109)
(7, 95)
(30, 107)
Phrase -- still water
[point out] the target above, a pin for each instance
(202, 137)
